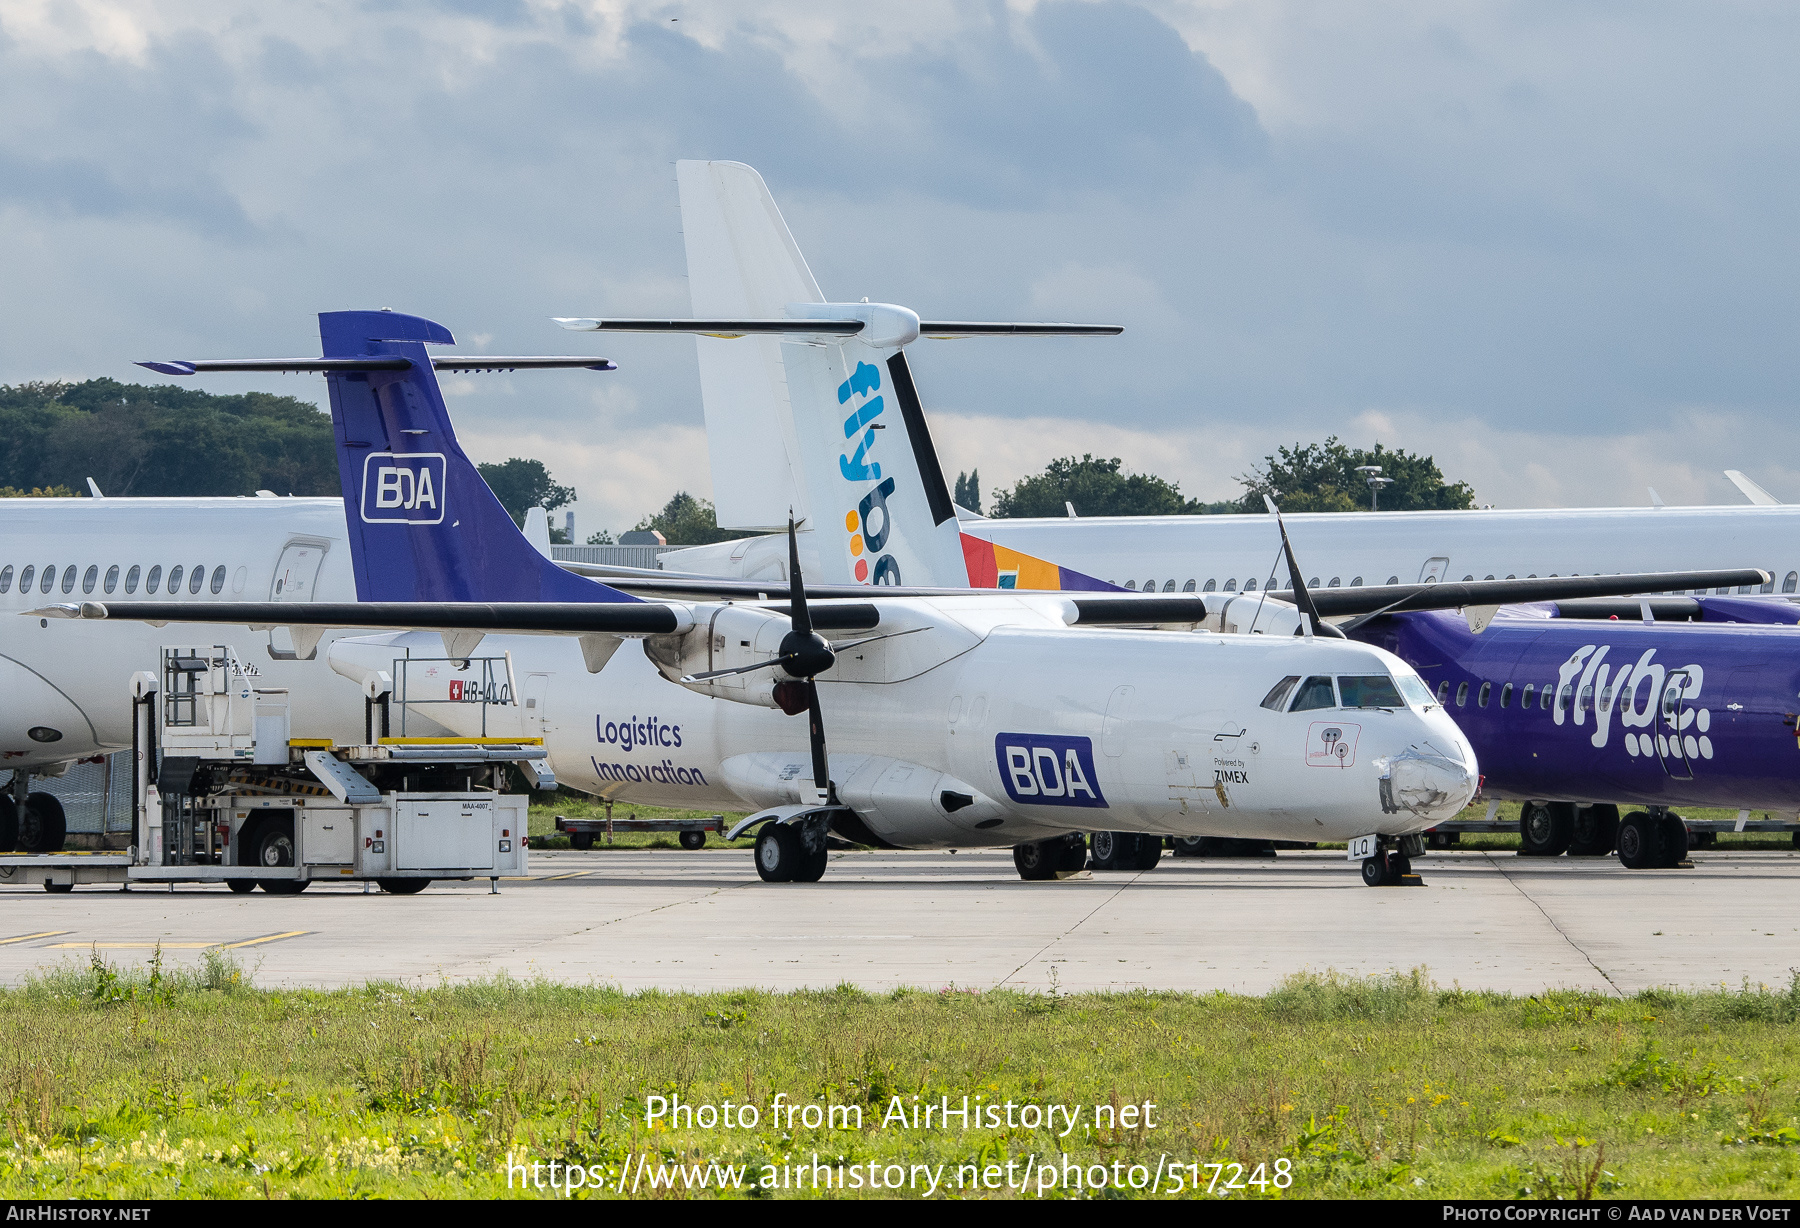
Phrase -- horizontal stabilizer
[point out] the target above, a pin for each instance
(937, 329)
(382, 362)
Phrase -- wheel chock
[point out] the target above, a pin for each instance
(1410, 880)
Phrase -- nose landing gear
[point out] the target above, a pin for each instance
(1390, 864)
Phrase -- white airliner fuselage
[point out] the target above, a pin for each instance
(1350, 549)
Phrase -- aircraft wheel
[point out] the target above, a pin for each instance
(42, 826)
(9, 823)
(1676, 840)
(1399, 865)
(1188, 846)
(1640, 841)
(1071, 854)
(1545, 828)
(1037, 861)
(59, 888)
(810, 868)
(693, 840)
(777, 853)
(1374, 871)
(1149, 853)
(241, 886)
(1594, 831)
(1108, 847)
(582, 840)
(403, 886)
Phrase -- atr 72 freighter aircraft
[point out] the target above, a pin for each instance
(961, 718)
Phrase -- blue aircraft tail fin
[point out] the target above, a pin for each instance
(423, 524)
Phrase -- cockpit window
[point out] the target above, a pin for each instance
(1370, 691)
(1315, 693)
(1416, 692)
(1278, 694)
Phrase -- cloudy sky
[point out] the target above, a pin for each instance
(1552, 244)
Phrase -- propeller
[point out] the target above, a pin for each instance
(1302, 598)
(802, 656)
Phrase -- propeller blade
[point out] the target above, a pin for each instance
(801, 616)
(815, 721)
(1302, 598)
(726, 673)
(886, 635)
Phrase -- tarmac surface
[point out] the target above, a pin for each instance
(703, 921)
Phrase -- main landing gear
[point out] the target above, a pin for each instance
(1391, 865)
(791, 852)
(1042, 860)
(1654, 841)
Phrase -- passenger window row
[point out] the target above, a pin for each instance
(1789, 584)
(47, 579)
(1546, 699)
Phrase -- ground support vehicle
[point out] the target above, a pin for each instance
(222, 794)
(583, 832)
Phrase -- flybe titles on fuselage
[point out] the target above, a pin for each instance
(634, 736)
(403, 489)
(869, 525)
(1587, 684)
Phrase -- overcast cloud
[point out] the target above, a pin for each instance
(1552, 244)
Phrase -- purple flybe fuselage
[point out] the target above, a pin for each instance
(1627, 712)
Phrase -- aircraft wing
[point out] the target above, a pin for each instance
(1398, 598)
(498, 618)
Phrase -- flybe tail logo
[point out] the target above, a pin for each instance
(869, 525)
(1043, 769)
(403, 489)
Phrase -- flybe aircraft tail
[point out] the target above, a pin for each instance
(810, 406)
(423, 524)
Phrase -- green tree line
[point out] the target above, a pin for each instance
(142, 439)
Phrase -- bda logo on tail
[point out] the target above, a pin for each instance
(403, 489)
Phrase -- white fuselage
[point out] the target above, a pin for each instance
(1221, 553)
(1043, 728)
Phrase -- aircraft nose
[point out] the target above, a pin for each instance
(1426, 784)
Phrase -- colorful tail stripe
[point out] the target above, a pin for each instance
(992, 566)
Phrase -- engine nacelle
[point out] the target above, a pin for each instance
(733, 636)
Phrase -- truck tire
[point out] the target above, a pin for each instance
(1545, 828)
(284, 886)
(9, 823)
(241, 886)
(1037, 861)
(1594, 832)
(42, 827)
(403, 886)
(777, 853)
(693, 840)
(58, 888)
(1640, 842)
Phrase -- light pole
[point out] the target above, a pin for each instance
(1372, 474)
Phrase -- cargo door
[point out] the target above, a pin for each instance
(531, 706)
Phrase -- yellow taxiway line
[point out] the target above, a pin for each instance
(28, 937)
(173, 946)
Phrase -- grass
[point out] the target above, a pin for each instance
(140, 1082)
